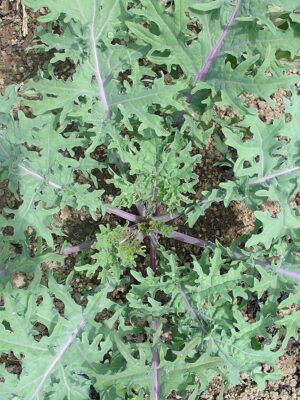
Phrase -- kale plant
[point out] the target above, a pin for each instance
(120, 136)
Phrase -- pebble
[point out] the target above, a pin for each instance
(293, 382)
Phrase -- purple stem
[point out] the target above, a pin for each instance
(166, 217)
(190, 239)
(285, 272)
(281, 271)
(76, 249)
(155, 364)
(173, 235)
(153, 254)
(217, 46)
(212, 56)
(185, 239)
(123, 214)
(141, 209)
(203, 243)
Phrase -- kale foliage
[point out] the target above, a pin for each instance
(131, 119)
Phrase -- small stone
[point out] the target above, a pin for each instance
(293, 382)
(19, 281)
(65, 213)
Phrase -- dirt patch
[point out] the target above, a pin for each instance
(219, 223)
(264, 109)
(17, 29)
(7, 199)
(266, 112)
(288, 388)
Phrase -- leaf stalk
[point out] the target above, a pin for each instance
(99, 79)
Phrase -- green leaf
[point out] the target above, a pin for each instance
(233, 82)
(284, 223)
(167, 167)
(56, 362)
(169, 40)
(292, 325)
(207, 6)
(117, 248)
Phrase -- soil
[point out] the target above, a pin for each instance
(17, 29)
(288, 388)
(16, 63)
